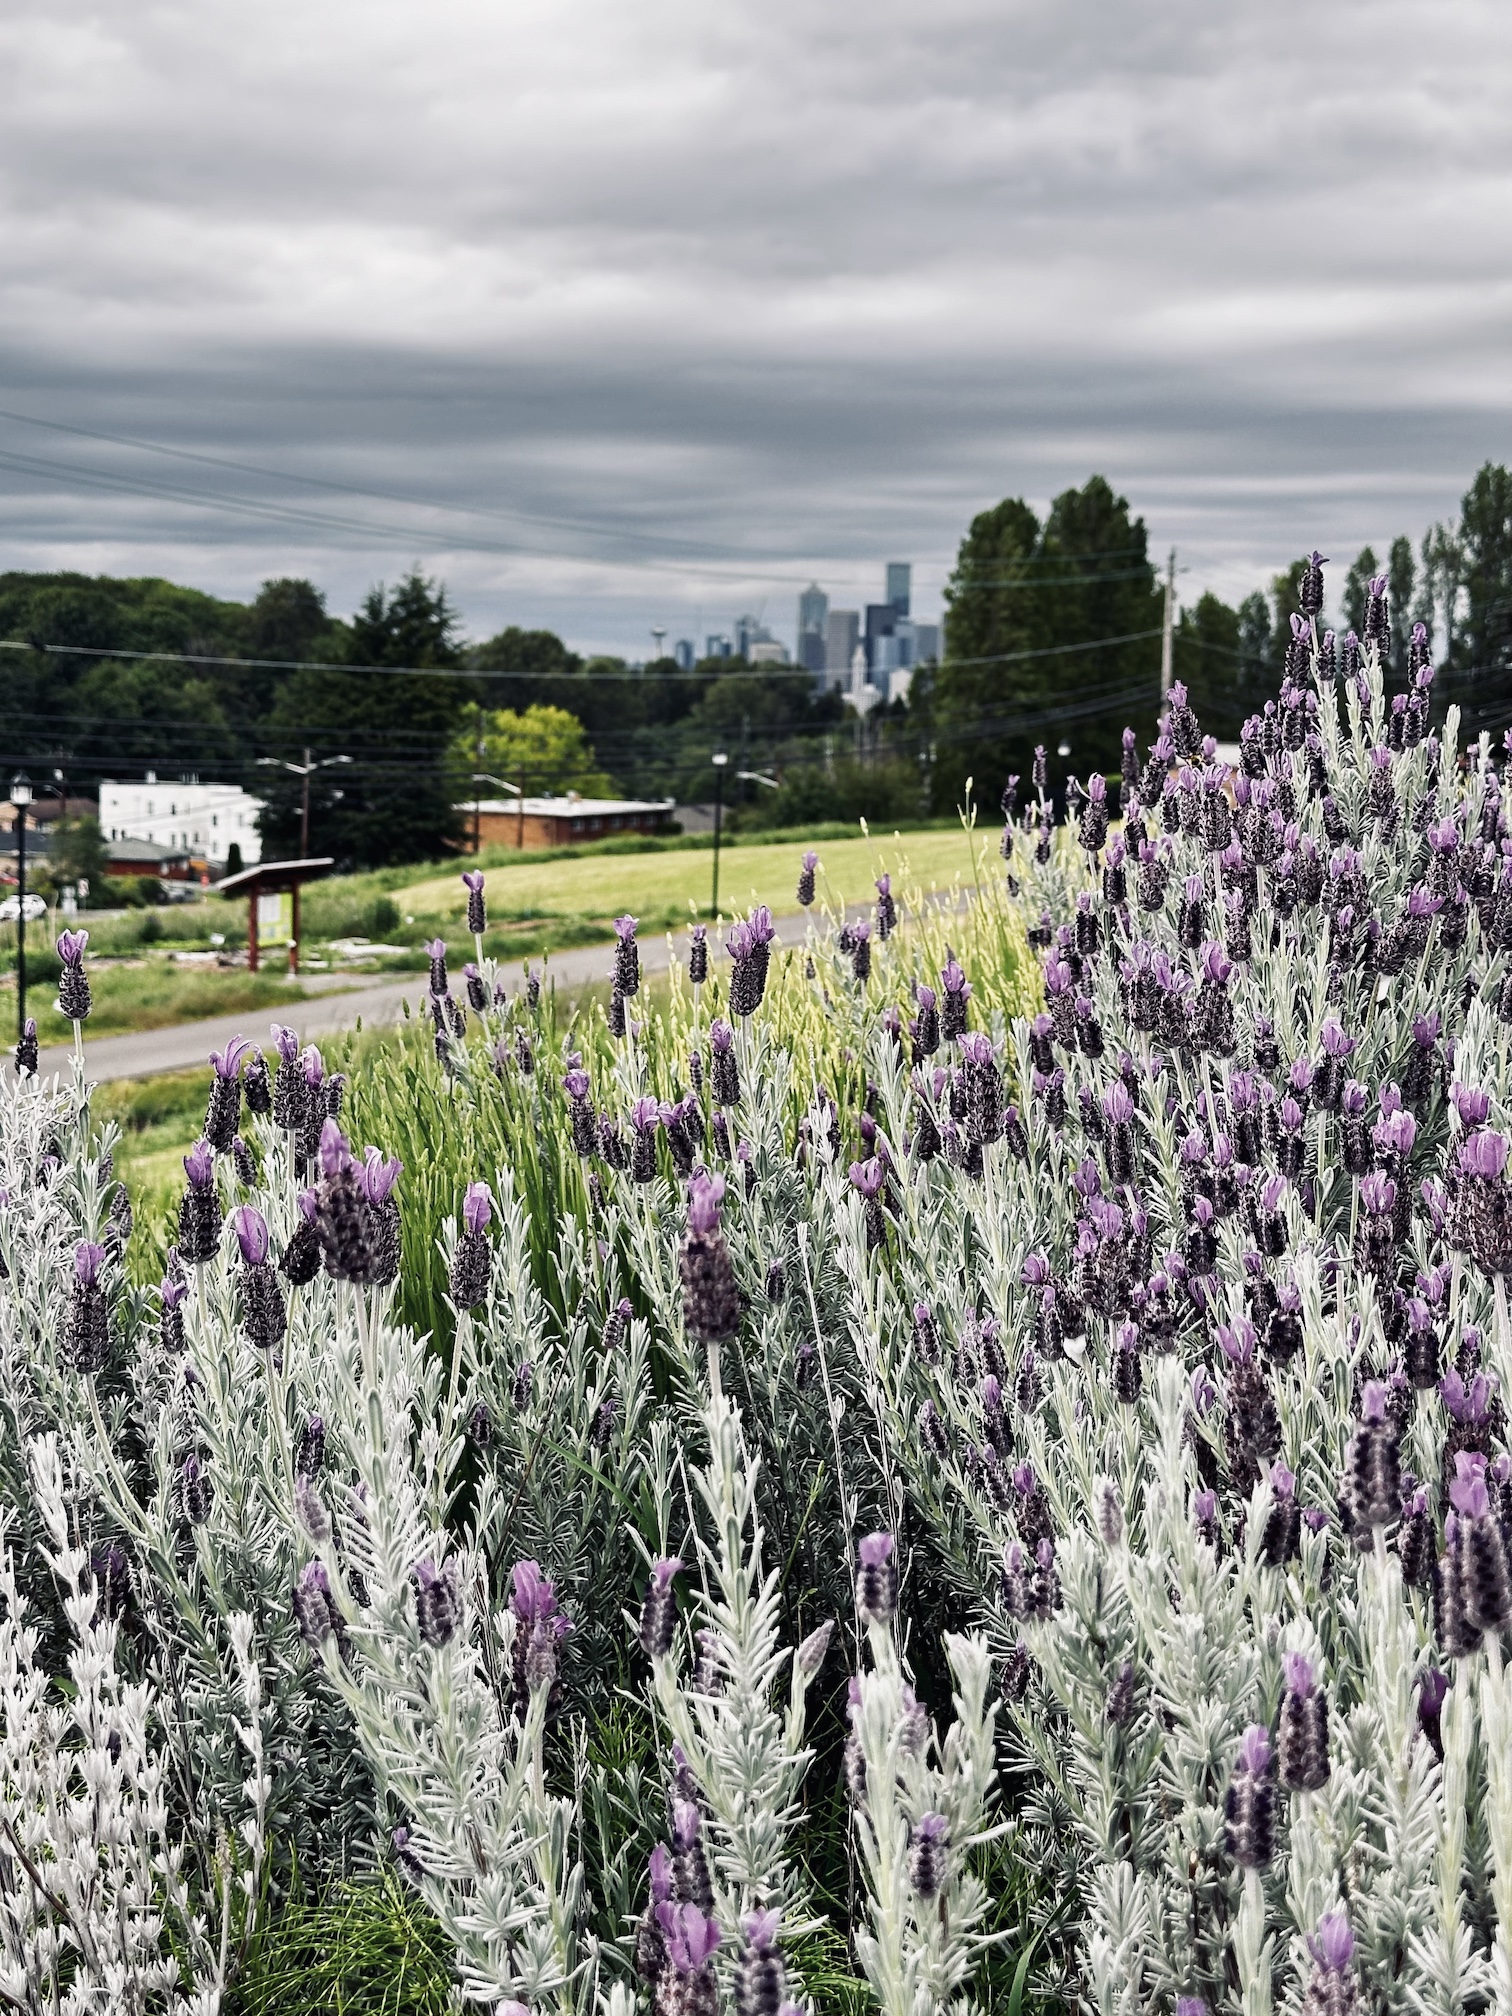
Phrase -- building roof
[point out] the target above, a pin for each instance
(567, 808)
(143, 850)
(272, 877)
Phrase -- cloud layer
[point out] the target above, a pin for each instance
(620, 316)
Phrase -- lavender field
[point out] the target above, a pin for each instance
(959, 1465)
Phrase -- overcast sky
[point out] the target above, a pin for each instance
(629, 312)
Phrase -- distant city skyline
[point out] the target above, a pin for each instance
(843, 650)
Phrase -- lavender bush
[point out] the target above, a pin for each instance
(1077, 1307)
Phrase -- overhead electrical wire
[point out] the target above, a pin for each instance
(478, 672)
(427, 538)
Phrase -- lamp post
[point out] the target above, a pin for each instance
(721, 758)
(305, 771)
(21, 797)
(487, 777)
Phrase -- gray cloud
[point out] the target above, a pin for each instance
(679, 304)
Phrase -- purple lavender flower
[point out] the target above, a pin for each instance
(956, 990)
(869, 1179)
(711, 1300)
(224, 1111)
(806, 875)
(887, 909)
(438, 1603)
(626, 957)
(73, 982)
(199, 1212)
(659, 1611)
(85, 1339)
(698, 955)
(1332, 1948)
(1302, 1738)
(472, 1263)
(1249, 1806)
(251, 1229)
(723, 1068)
(377, 1178)
(876, 1579)
(315, 1609)
(435, 951)
(477, 913)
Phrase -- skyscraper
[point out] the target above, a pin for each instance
(841, 631)
(813, 615)
(900, 586)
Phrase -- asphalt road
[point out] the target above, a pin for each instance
(375, 1001)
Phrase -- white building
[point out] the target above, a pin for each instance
(205, 819)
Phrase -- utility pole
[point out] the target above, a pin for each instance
(21, 794)
(302, 771)
(1168, 630)
(478, 795)
(721, 758)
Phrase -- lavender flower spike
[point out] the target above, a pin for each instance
(73, 986)
(876, 1578)
(477, 914)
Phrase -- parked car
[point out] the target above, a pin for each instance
(36, 909)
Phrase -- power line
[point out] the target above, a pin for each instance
(1054, 650)
(478, 673)
(429, 538)
(355, 489)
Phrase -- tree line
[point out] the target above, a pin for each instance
(1052, 637)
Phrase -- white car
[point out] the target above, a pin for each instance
(36, 909)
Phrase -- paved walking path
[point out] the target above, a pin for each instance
(376, 1002)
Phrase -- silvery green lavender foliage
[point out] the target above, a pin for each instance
(1210, 1357)
(1155, 1338)
(921, 1807)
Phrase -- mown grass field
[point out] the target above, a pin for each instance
(539, 904)
(668, 889)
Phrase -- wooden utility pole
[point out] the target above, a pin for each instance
(1168, 630)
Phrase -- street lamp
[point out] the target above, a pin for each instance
(21, 797)
(304, 770)
(487, 777)
(721, 758)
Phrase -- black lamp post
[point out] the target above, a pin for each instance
(21, 797)
(721, 758)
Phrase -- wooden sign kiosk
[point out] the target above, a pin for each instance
(272, 892)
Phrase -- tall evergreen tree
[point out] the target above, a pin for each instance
(395, 800)
(1019, 588)
(1483, 647)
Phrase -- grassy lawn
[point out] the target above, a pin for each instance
(667, 889)
(543, 902)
